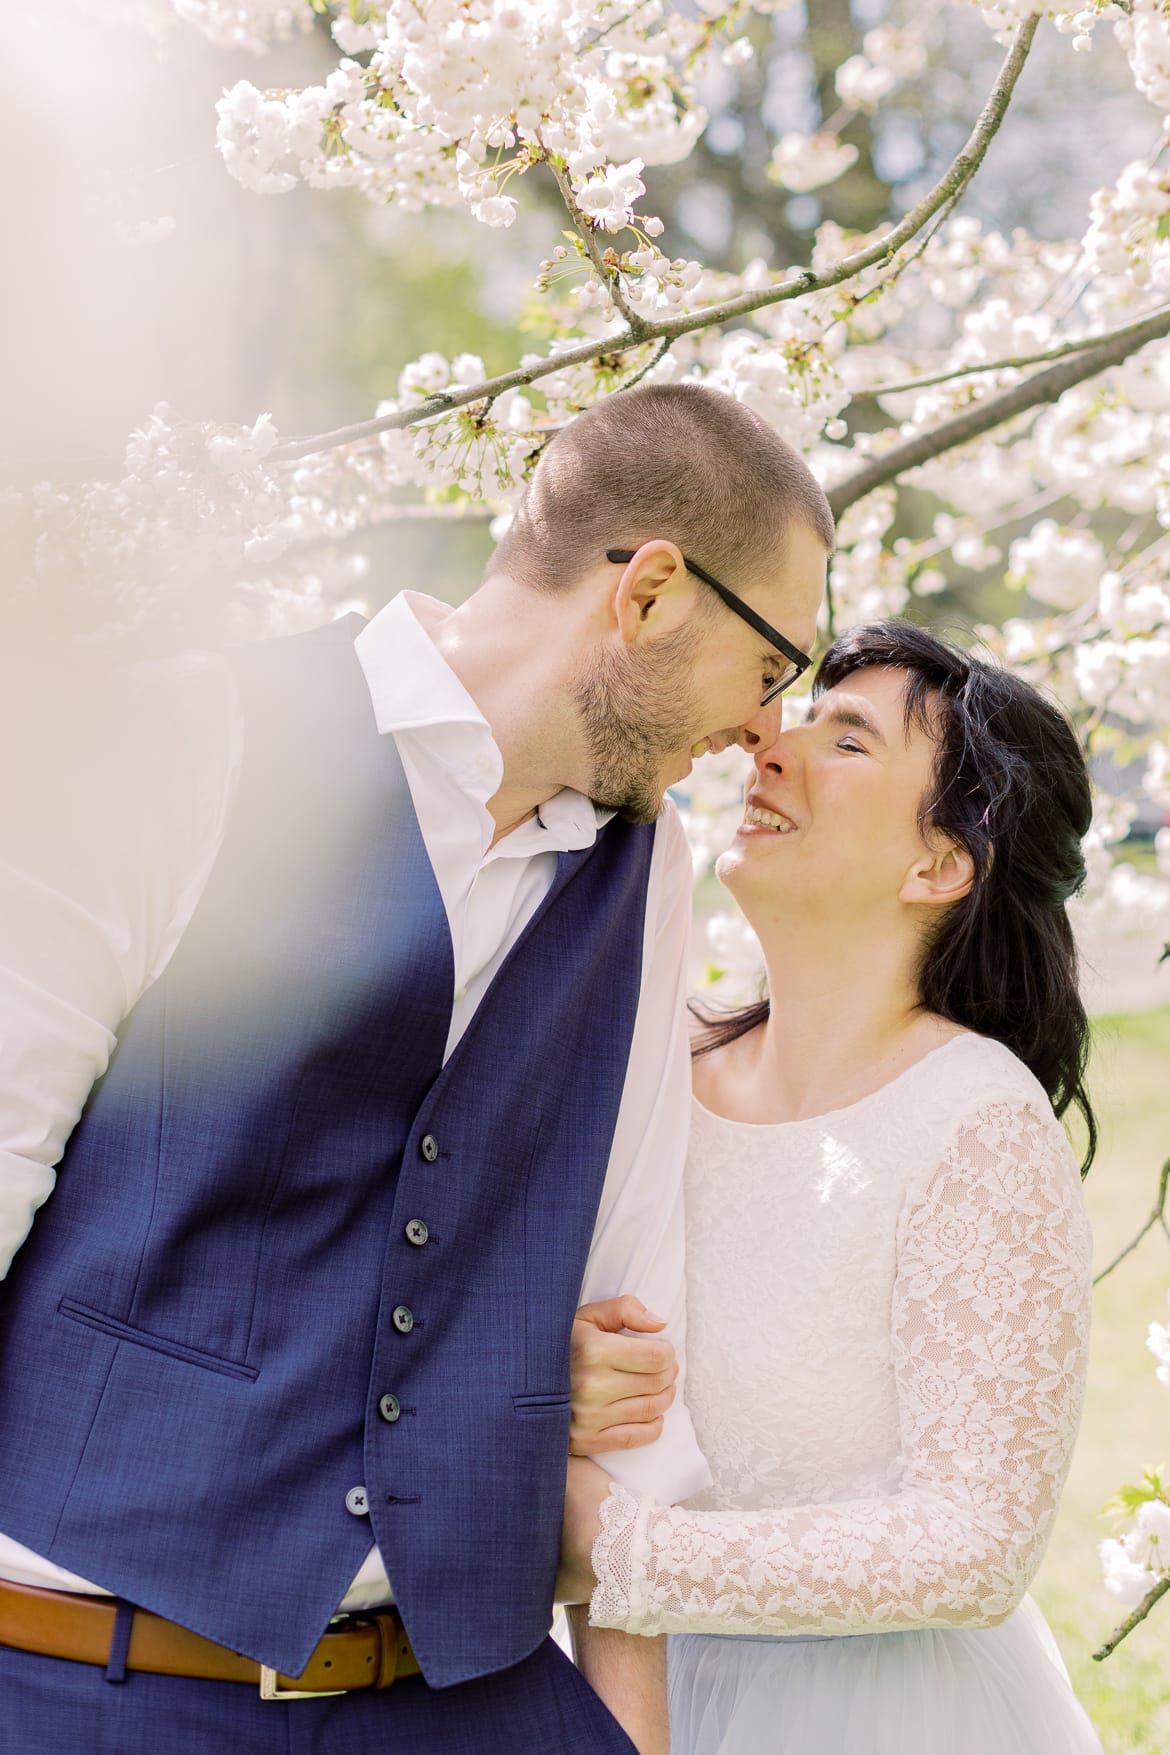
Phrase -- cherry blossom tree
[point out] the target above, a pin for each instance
(972, 399)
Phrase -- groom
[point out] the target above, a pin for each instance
(391, 933)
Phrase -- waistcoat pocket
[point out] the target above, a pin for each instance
(541, 1404)
(141, 1337)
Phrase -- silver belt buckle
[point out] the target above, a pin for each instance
(271, 1690)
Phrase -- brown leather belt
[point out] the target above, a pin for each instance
(370, 1651)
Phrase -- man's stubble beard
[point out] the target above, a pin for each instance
(635, 711)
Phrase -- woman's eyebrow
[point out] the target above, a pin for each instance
(849, 714)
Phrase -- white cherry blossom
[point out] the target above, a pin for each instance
(808, 161)
(1062, 568)
(1125, 1577)
(1158, 1342)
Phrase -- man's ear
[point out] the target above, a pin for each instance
(939, 877)
(654, 592)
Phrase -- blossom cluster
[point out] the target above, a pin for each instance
(456, 99)
(204, 537)
(1127, 235)
(1138, 1559)
(1158, 1341)
(804, 162)
(484, 451)
(1140, 28)
(1134, 1562)
(246, 24)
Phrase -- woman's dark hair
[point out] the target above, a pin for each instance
(1009, 784)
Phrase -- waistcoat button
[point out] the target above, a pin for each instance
(356, 1502)
(429, 1147)
(416, 1232)
(390, 1407)
(403, 1319)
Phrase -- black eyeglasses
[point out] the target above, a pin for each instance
(798, 661)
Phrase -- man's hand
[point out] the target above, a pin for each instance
(585, 1490)
(622, 1383)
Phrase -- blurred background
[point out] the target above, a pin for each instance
(136, 272)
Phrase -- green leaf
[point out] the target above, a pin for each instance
(1130, 1498)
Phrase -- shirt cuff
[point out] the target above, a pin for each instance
(670, 1470)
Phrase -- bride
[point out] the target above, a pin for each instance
(888, 1258)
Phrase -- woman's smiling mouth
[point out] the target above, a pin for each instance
(754, 817)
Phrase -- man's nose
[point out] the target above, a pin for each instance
(779, 755)
(761, 732)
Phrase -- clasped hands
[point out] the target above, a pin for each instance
(624, 1375)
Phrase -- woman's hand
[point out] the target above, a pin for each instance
(585, 1489)
(623, 1383)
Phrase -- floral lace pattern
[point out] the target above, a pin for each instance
(887, 1347)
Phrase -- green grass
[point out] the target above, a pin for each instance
(1127, 1413)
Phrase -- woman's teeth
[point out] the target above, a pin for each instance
(767, 819)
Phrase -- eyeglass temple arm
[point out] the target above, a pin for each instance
(742, 609)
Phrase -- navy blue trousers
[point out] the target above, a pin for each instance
(541, 1707)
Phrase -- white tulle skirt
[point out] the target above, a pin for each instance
(984, 1691)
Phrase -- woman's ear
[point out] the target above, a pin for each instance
(938, 877)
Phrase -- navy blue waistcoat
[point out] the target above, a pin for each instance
(290, 1253)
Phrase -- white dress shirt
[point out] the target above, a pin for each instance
(95, 893)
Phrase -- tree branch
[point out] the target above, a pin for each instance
(449, 400)
(1034, 392)
(1133, 1620)
(949, 186)
(1019, 361)
(1157, 1217)
(953, 181)
(618, 23)
(385, 518)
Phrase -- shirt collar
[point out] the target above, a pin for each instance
(411, 685)
(412, 688)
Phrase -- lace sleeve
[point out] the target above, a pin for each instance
(990, 1325)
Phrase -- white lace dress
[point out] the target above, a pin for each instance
(888, 1319)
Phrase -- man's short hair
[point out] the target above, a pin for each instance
(680, 461)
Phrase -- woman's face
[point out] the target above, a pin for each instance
(831, 830)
